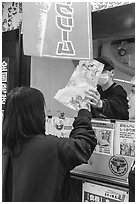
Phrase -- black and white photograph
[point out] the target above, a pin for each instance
(68, 101)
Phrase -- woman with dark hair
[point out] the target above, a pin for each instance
(25, 117)
(36, 165)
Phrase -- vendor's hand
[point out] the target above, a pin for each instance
(94, 98)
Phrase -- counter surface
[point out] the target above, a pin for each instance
(96, 178)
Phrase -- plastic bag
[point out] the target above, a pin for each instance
(84, 77)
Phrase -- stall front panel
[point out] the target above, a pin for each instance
(115, 154)
(98, 192)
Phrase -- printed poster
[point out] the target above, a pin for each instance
(104, 131)
(125, 138)
(99, 193)
(60, 127)
(57, 29)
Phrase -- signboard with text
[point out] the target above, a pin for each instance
(5, 65)
(98, 193)
(125, 138)
(61, 30)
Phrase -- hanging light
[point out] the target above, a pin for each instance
(121, 49)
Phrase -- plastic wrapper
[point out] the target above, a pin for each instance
(84, 77)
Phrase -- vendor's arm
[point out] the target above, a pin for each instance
(113, 107)
(116, 107)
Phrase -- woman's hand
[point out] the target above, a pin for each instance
(84, 105)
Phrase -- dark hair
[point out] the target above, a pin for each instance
(24, 116)
(107, 62)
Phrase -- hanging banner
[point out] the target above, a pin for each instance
(61, 30)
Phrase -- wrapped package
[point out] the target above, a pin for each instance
(84, 77)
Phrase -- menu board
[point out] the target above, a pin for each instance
(125, 138)
(98, 193)
(104, 131)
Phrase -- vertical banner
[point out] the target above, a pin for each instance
(5, 65)
(61, 30)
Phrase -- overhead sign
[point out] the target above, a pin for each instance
(61, 30)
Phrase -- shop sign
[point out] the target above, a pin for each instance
(5, 64)
(61, 30)
(99, 193)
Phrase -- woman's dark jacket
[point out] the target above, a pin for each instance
(38, 173)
